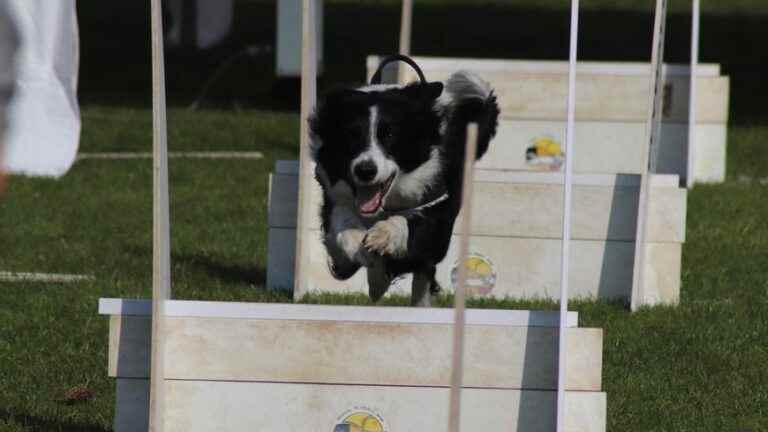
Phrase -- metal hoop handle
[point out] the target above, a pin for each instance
(376, 79)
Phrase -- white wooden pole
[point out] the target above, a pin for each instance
(308, 99)
(457, 358)
(161, 252)
(567, 198)
(654, 116)
(406, 22)
(691, 156)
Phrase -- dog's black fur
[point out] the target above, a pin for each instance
(387, 156)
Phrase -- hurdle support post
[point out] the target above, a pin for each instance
(161, 252)
(459, 299)
(567, 208)
(649, 155)
(308, 99)
(691, 153)
(406, 24)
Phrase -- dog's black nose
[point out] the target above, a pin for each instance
(365, 171)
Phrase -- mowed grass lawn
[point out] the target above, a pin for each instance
(696, 367)
(699, 366)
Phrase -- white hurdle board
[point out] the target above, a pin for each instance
(282, 367)
(611, 111)
(516, 231)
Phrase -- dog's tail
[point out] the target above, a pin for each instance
(468, 98)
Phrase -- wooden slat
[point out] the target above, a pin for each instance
(602, 97)
(607, 148)
(206, 406)
(611, 147)
(325, 313)
(478, 65)
(375, 353)
(291, 167)
(356, 353)
(527, 268)
(533, 211)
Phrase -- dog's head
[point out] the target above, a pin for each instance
(382, 142)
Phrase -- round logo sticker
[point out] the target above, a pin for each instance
(481, 274)
(360, 419)
(545, 154)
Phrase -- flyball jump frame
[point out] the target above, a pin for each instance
(515, 236)
(202, 366)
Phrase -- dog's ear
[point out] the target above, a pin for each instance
(433, 90)
(331, 104)
(342, 95)
(426, 92)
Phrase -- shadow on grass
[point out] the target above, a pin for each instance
(43, 424)
(220, 269)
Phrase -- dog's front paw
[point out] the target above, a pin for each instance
(388, 237)
(350, 241)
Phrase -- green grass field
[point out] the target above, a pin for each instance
(697, 367)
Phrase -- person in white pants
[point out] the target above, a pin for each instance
(9, 43)
(43, 118)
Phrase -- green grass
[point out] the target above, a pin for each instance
(696, 367)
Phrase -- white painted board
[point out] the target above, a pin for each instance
(532, 96)
(506, 207)
(222, 349)
(611, 147)
(519, 238)
(207, 406)
(222, 406)
(306, 312)
(480, 66)
(522, 268)
(537, 96)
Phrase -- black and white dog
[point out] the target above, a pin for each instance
(390, 160)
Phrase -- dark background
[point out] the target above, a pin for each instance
(115, 67)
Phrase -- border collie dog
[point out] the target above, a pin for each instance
(390, 159)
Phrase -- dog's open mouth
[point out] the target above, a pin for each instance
(369, 199)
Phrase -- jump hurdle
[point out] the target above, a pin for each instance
(201, 366)
(515, 237)
(275, 367)
(617, 186)
(611, 113)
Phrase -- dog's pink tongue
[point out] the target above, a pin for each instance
(371, 204)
